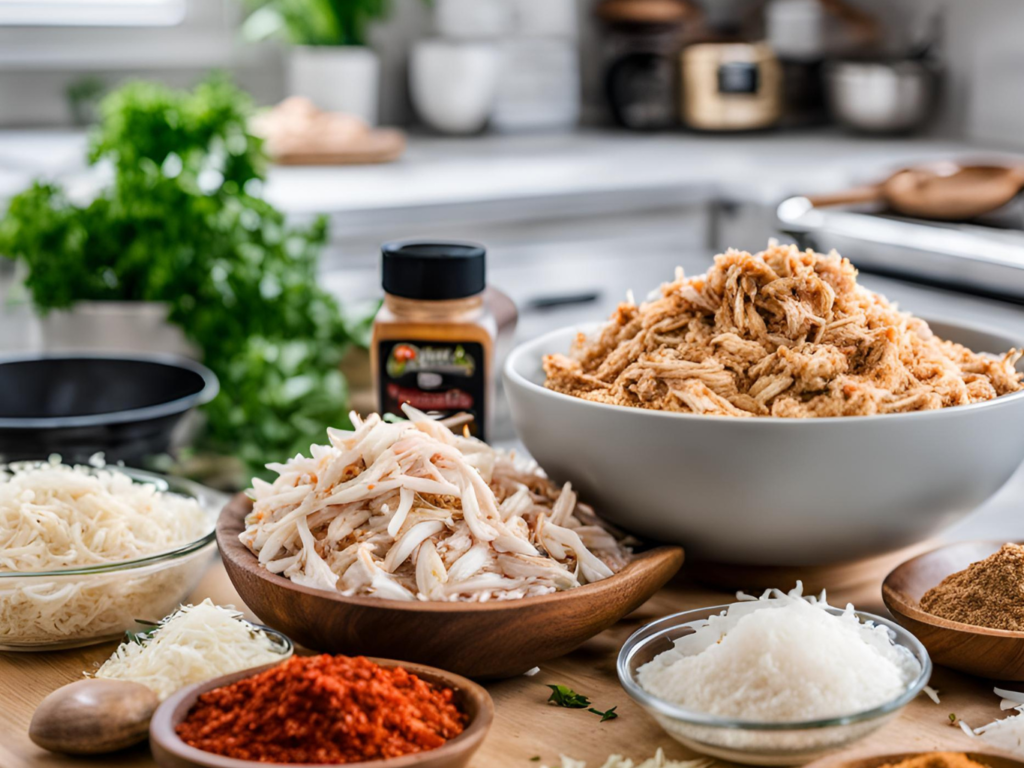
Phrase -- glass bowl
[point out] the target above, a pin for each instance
(746, 741)
(73, 607)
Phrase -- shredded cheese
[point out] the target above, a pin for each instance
(193, 644)
(55, 516)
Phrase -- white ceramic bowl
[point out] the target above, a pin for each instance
(769, 491)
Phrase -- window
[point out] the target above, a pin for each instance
(105, 13)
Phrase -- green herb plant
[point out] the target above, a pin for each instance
(313, 22)
(182, 222)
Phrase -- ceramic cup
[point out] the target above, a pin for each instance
(453, 83)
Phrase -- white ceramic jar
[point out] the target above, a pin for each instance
(337, 78)
(453, 83)
(472, 19)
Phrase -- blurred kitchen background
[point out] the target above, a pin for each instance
(591, 145)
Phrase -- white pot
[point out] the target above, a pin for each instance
(114, 326)
(545, 18)
(336, 78)
(472, 19)
(539, 87)
(453, 83)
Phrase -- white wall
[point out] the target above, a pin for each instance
(984, 99)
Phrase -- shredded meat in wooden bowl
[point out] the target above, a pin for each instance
(785, 333)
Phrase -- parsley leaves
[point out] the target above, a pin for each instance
(563, 696)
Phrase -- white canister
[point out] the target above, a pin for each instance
(472, 19)
(539, 88)
(115, 326)
(337, 78)
(544, 18)
(453, 83)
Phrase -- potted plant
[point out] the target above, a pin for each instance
(329, 62)
(181, 236)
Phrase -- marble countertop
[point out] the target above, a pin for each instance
(595, 169)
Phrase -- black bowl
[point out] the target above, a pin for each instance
(77, 405)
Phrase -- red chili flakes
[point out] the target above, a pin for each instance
(323, 710)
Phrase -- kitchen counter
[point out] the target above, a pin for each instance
(596, 213)
(531, 171)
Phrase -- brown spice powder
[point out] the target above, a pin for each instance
(988, 593)
(937, 760)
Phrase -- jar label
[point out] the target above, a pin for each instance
(439, 378)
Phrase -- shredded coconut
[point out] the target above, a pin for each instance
(781, 658)
(193, 644)
(1006, 733)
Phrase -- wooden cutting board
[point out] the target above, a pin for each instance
(383, 145)
(525, 726)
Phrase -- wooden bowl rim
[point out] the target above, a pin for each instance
(894, 601)
(869, 760)
(161, 728)
(230, 524)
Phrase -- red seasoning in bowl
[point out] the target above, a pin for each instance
(323, 710)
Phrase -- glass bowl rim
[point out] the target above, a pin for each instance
(208, 499)
(692, 717)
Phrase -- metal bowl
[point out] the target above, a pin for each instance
(881, 96)
(75, 405)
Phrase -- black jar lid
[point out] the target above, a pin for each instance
(433, 271)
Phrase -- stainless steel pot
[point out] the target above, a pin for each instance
(881, 96)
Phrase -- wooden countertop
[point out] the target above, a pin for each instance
(525, 727)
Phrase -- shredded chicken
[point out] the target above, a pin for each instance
(785, 333)
(412, 511)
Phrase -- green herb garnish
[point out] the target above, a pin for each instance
(563, 696)
(610, 714)
(535, 759)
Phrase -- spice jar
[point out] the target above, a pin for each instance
(433, 338)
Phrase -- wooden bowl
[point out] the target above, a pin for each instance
(171, 752)
(482, 640)
(857, 760)
(993, 653)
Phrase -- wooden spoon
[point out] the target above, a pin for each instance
(996, 654)
(946, 191)
(91, 717)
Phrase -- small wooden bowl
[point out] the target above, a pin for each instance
(171, 752)
(481, 640)
(846, 760)
(992, 653)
